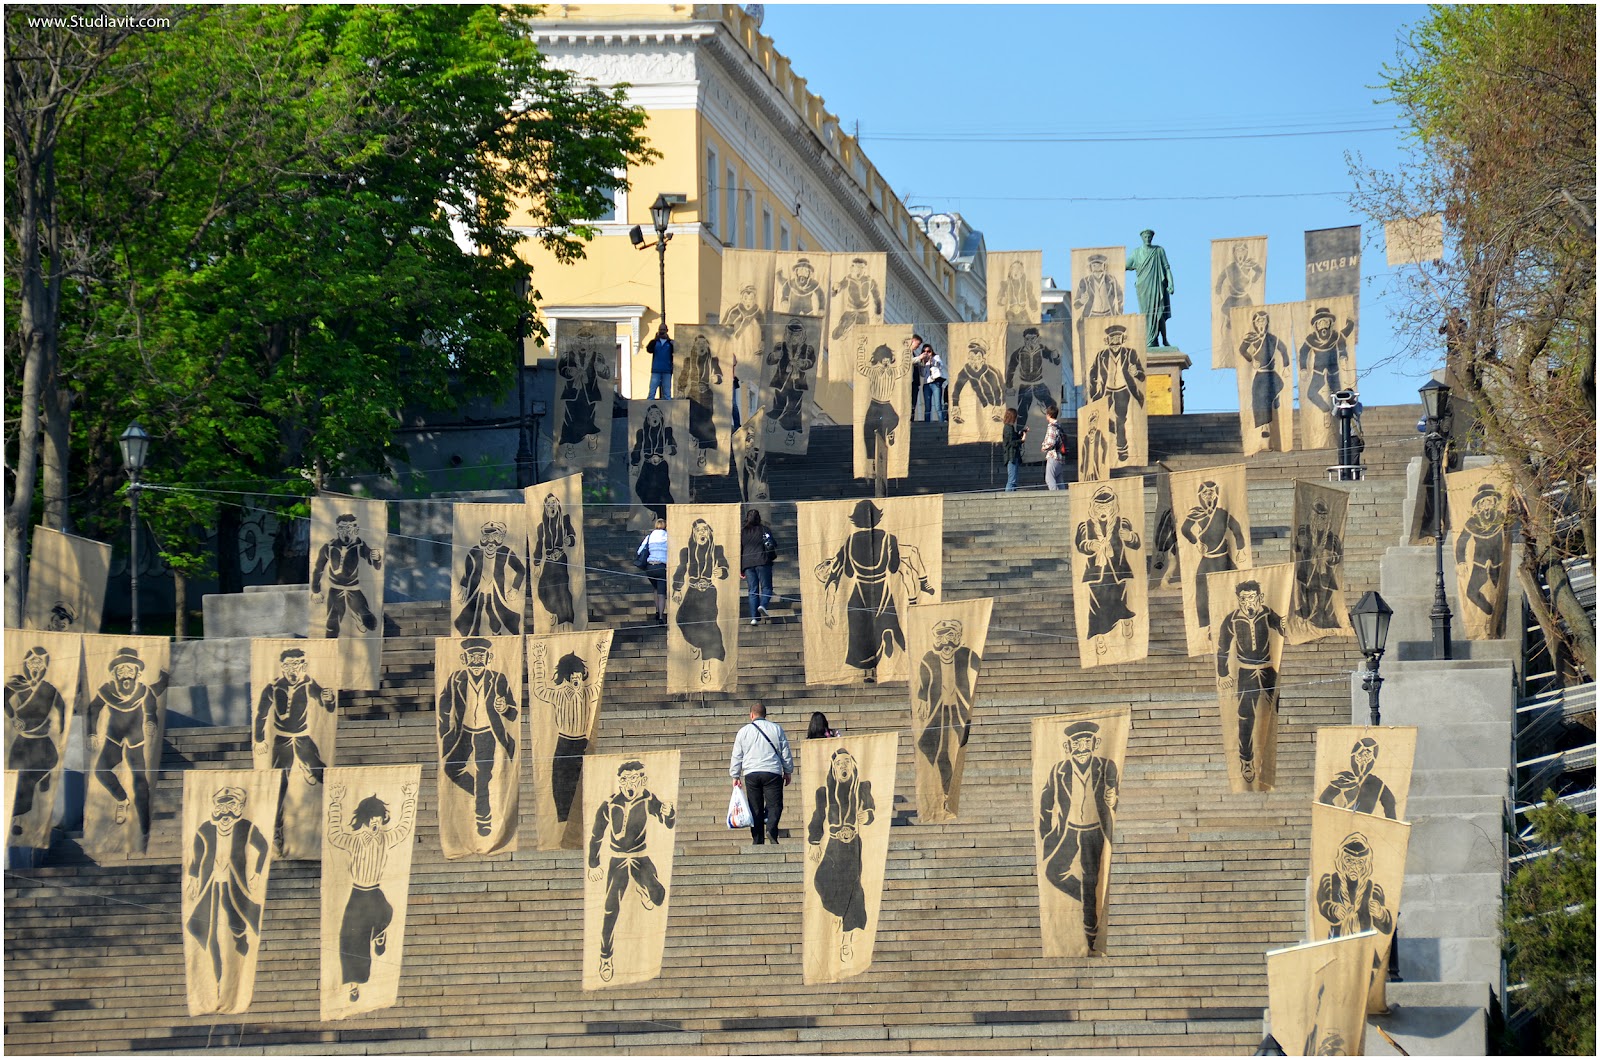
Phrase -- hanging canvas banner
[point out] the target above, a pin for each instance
(1319, 608)
(294, 686)
(862, 564)
(703, 377)
(1111, 596)
(1266, 382)
(125, 721)
(553, 521)
(793, 353)
(882, 357)
(586, 373)
(11, 779)
(1015, 278)
(227, 855)
(977, 389)
(1212, 511)
(43, 671)
(1247, 626)
(1163, 551)
(1238, 278)
(66, 582)
(1327, 332)
(1033, 378)
(1116, 391)
(1479, 532)
(800, 287)
(348, 538)
(1413, 240)
(489, 569)
(1317, 993)
(1098, 291)
(366, 881)
(746, 304)
(1358, 866)
(476, 681)
(628, 870)
(946, 643)
(1077, 771)
(566, 680)
(703, 598)
(855, 295)
(659, 457)
(849, 802)
(750, 459)
(1365, 768)
(1333, 262)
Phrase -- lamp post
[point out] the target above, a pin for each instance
(1436, 424)
(1371, 619)
(527, 463)
(661, 215)
(135, 448)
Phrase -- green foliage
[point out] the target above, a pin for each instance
(1549, 928)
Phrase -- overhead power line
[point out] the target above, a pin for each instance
(1001, 138)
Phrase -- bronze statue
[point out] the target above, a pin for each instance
(1153, 282)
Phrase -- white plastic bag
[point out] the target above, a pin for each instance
(738, 810)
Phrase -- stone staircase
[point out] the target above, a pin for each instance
(1203, 881)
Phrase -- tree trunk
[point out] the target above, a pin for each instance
(57, 453)
(1580, 623)
(180, 605)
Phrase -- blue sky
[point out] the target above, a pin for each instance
(936, 88)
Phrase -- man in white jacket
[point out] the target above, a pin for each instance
(762, 765)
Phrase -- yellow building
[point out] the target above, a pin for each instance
(759, 161)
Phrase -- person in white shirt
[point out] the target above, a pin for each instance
(762, 765)
(653, 551)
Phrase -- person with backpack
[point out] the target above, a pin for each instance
(758, 550)
(1055, 449)
(762, 765)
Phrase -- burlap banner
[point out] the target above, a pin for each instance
(125, 720)
(43, 672)
(1262, 342)
(348, 537)
(1163, 551)
(659, 456)
(880, 358)
(489, 569)
(227, 854)
(1033, 377)
(1326, 331)
(1110, 588)
(703, 376)
(703, 598)
(1479, 532)
(849, 802)
(862, 564)
(856, 292)
(1365, 768)
(1238, 278)
(628, 870)
(294, 686)
(1333, 262)
(566, 681)
(1076, 757)
(794, 350)
(746, 304)
(1116, 391)
(1317, 993)
(800, 288)
(1015, 278)
(1413, 240)
(476, 682)
(366, 882)
(1247, 627)
(1212, 512)
(1319, 609)
(587, 372)
(1358, 866)
(1098, 291)
(947, 642)
(553, 521)
(10, 779)
(66, 582)
(977, 388)
(750, 459)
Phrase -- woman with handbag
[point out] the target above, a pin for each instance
(652, 559)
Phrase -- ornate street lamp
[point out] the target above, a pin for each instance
(661, 218)
(135, 449)
(1436, 425)
(1269, 1047)
(527, 463)
(1371, 618)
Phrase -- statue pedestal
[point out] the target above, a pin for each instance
(1163, 368)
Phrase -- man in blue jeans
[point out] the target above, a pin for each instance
(762, 765)
(660, 350)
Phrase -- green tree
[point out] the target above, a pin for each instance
(1549, 928)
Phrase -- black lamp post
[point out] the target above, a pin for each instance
(527, 464)
(661, 215)
(1436, 424)
(135, 448)
(1371, 619)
